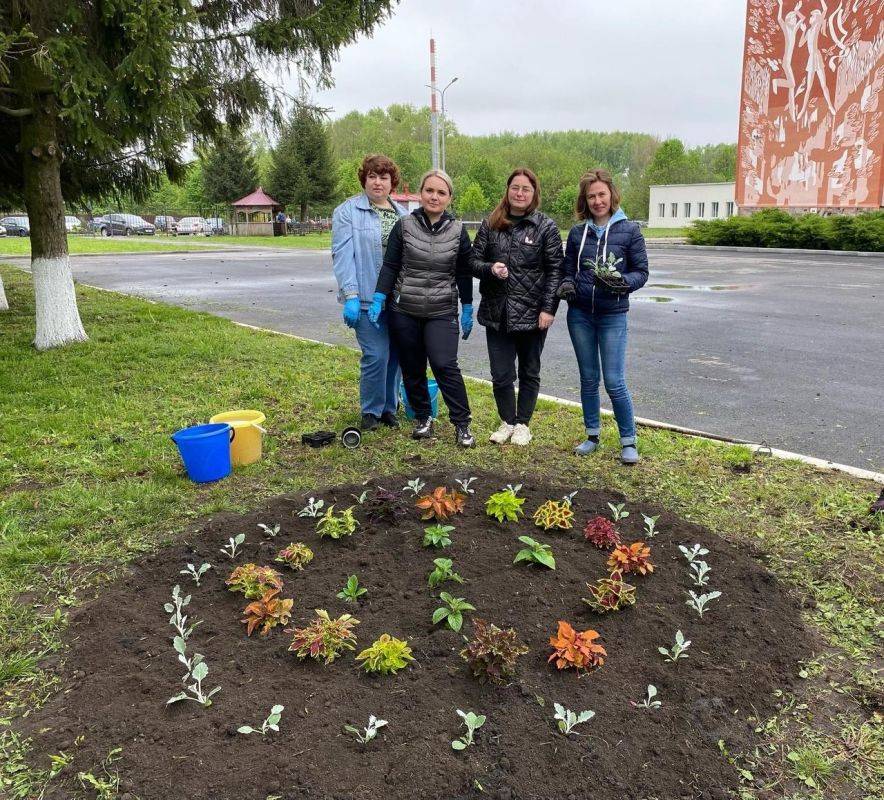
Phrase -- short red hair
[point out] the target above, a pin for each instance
(380, 165)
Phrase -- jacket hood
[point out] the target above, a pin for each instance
(618, 215)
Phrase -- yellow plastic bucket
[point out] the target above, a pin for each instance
(246, 445)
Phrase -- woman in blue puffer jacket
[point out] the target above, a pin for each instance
(605, 261)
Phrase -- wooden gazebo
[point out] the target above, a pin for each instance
(253, 215)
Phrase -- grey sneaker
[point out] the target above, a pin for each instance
(629, 454)
(423, 428)
(463, 437)
(588, 447)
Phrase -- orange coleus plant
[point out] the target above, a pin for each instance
(253, 581)
(441, 504)
(268, 612)
(576, 650)
(635, 557)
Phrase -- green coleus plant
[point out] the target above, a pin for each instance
(452, 611)
(442, 572)
(386, 655)
(337, 525)
(253, 581)
(535, 553)
(505, 506)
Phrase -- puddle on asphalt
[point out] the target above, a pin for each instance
(652, 299)
(694, 287)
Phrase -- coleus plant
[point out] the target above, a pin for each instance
(627, 558)
(554, 514)
(268, 612)
(576, 650)
(252, 580)
(387, 655)
(610, 594)
(384, 507)
(297, 555)
(492, 652)
(535, 553)
(336, 526)
(324, 638)
(441, 504)
(505, 506)
(602, 533)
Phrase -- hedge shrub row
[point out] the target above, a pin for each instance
(776, 228)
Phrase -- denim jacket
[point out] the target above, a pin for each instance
(357, 254)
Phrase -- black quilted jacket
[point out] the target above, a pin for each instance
(532, 251)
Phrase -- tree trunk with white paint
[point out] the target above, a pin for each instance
(58, 319)
(4, 305)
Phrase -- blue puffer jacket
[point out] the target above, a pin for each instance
(625, 241)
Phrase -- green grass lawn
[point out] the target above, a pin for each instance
(89, 481)
(663, 233)
(21, 245)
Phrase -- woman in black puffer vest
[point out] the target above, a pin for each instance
(517, 256)
(426, 268)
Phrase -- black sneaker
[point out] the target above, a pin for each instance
(369, 422)
(389, 419)
(423, 428)
(463, 437)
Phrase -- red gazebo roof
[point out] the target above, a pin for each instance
(256, 198)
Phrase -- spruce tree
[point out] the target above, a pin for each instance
(229, 169)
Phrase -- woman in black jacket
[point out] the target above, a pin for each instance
(517, 256)
(426, 268)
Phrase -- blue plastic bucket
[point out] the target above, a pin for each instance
(205, 451)
(434, 398)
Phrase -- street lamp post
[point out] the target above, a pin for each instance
(442, 95)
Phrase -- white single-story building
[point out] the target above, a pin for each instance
(675, 205)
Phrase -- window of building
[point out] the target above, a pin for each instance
(687, 209)
(701, 209)
(729, 209)
(661, 210)
(715, 209)
(674, 210)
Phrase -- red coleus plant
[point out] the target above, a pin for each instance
(268, 612)
(576, 650)
(325, 638)
(610, 594)
(635, 557)
(602, 533)
(492, 652)
(441, 504)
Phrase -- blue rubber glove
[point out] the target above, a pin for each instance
(466, 320)
(352, 308)
(376, 307)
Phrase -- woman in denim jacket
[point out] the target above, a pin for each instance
(360, 227)
(598, 303)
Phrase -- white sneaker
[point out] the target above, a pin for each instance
(521, 435)
(502, 434)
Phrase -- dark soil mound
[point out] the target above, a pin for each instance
(121, 667)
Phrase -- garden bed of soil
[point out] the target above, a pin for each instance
(120, 667)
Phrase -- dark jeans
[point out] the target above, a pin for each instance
(419, 340)
(503, 350)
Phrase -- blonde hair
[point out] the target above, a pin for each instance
(442, 175)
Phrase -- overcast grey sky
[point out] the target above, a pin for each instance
(667, 67)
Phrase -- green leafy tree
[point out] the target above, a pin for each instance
(472, 203)
(102, 96)
(348, 178)
(228, 169)
(302, 172)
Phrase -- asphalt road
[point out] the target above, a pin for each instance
(781, 348)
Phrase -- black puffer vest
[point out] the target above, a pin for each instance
(426, 286)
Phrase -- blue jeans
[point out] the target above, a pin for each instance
(378, 367)
(602, 338)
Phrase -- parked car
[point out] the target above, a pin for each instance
(94, 224)
(16, 226)
(72, 224)
(165, 223)
(195, 226)
(216, 225)
(125, 225)
(2, 231)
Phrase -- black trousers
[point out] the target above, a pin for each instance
(435, 340)
(503, 350)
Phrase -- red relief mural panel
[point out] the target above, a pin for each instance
(812, 107)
